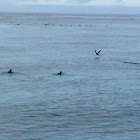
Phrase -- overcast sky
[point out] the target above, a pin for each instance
(87, 6)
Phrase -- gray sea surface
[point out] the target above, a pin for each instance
(96, 97)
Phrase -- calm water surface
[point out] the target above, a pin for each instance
(95, 98)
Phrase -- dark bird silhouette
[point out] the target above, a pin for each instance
(97, 53)
(10, 71)
(60, 73)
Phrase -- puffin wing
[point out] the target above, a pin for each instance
(99, 51)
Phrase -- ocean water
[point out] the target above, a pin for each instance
(96, 97)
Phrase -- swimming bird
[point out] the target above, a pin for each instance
(10, 71)
(60, 73)
(97, 53)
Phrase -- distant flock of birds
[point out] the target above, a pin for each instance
(52, 24)
(59, 73)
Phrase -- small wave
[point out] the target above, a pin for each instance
(55, 114)
(132, 63)
(59, 74)
(15, 73)
(66, 74)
